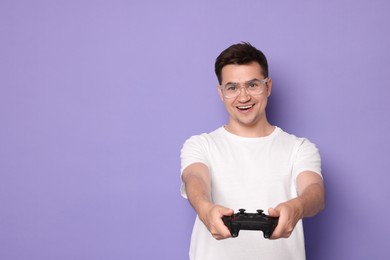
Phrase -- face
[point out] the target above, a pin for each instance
(245, 110)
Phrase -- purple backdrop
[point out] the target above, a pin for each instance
(97, 97)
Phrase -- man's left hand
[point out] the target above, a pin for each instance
(289, 214)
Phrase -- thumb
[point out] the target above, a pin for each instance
(227, 211)
(273, 212)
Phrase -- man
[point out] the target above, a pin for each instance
(249, 164)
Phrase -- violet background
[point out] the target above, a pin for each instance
(97, 98)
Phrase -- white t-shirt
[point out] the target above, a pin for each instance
(249, 173)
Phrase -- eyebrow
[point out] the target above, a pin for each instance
(246, 82)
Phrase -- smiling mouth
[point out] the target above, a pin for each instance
(245, 107)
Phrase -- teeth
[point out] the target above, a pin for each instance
(246, 107)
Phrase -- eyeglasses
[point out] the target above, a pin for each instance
(252, 87)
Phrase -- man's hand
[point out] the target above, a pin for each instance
(310, 201)
(197, 180)
(211, 215)
(289, 214)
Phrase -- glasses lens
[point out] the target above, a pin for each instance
(231, 90)
(255, 87)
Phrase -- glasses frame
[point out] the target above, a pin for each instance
(246, 86)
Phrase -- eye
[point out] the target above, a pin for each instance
(253, 85)
(231, 88)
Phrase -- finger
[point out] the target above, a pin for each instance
(223, 229)
(219, 237)
(283, 229)
(226, 212)
(218, 229)
(277, 233)
(221, 234)
(273, 212)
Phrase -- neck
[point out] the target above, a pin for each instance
(257, 130)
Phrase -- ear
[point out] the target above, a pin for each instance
(220, 93)
(269, 87)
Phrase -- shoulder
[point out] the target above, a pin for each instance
(198, 148)
(297, 143)
(205, 138)
(283, 135)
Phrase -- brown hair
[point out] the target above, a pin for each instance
(241, 53)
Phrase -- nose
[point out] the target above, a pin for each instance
(243, 96)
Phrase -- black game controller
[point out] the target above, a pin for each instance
(250, 221)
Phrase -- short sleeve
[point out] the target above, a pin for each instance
(307, 158)
(193, 151)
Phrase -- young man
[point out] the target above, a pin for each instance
(249, 164)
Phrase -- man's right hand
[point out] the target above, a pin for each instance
(211, 215)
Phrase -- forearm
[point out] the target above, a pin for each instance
(309, 202)
(312, 199)
(198, 192)
(197, 183)
(198, 188)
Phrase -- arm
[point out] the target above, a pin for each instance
(310, 201)
(197, 181)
